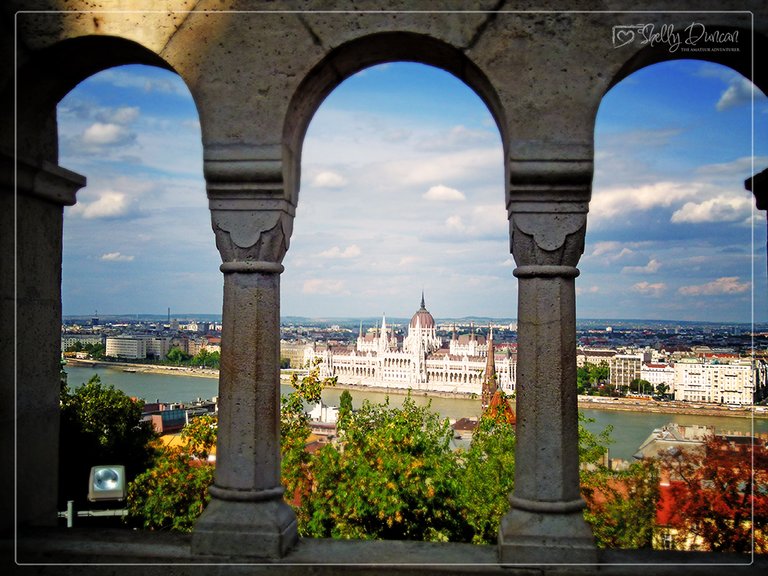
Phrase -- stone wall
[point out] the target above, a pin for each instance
(257, 73)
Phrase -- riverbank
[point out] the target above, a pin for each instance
(147, 368)
(585, 402)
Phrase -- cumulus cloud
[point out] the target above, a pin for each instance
(720, 209)
(124, 114)
(587, 290)
(116, 257)
(723, 285)
(329, 179)
(737, 94)
(455, 223)
(107, 134)
(611, 202)
(442, 193)
(110, 204)
(349, 252)
(650, 268)
(456, 137)
(650, 289)
(324, 286)
(153, 82)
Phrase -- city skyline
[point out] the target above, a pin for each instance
(402, 190)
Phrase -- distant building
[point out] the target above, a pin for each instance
(70, 339)
(659, 373)
(420, 362)
(127, 347)
(737, 382)
(157, 346)
(594, 356)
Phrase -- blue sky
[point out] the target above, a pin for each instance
(402, 190)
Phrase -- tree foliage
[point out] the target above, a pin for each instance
(721, 494)
(488, 476)
(99, 425)
(590, 375)
(174, 492)
(392, 476)
(177, 355)
(621, 506)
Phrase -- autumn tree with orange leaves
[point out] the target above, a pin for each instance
(721, 495)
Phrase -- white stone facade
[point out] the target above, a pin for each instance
(729, 383)
(128, 347)
(421, 363)
(659, 373)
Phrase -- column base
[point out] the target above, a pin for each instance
(265, 529)
(537, 538)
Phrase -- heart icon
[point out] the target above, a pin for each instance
(622, 37)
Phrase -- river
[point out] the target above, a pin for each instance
(630, 429)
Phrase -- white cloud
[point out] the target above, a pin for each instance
(737, 94)
(455, 223)
(116, 257)
(457, 137)
(124, 114)
(587, 290)
(107, 134)
(351, 251)
(324, 286)
(109, 205)
(611, 202)
(650, 268)
(329, 179)
(721, 209)
(724, 285)
(442, 193)
(655, 289)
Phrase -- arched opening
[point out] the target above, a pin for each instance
(669, 213)
(139, 279)
(402, 191)
(676, 245)
(42, 189)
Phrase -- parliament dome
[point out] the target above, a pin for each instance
(422, 317)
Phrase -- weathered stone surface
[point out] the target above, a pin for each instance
(257, 73)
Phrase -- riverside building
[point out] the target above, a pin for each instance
(420, 362)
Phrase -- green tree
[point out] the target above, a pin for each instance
(177, 356)
(345, 410)
(641, 386)
(76, 347)
(393, 476)
(94, 350)
(621, 506)
(174, 492)
(100, 425)
(294, 431)
(285, 362)
(662, 389)
(206, 359)
(488, 477)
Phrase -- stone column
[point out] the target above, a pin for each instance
(547, 206)
(32, 211)
(252, 221)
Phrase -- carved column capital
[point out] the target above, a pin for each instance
(251, 213)
(42, 179)
(547, 205)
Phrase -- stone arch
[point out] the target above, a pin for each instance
(40, 190)
(45, 77)
(356, 55)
